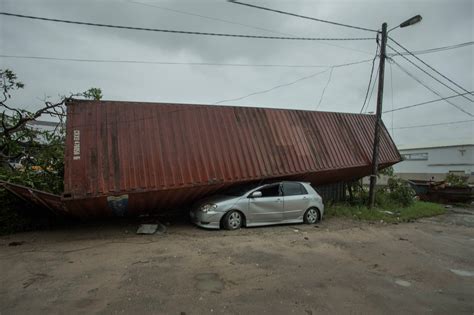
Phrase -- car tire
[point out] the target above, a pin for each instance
(311, 216)
(233, 220)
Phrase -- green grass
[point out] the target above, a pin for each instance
(419, 209)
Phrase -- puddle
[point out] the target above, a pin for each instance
(462, 273)
(209, 282)
(403, 283)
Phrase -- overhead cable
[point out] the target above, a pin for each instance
(430, 89)
(433, 50)
(292, 82)
(324, 90)
(438, 124)
(303, 16)
(429, 74)
(236, 23)
(370, 78)
(208, 17)
(273, 88)
(182, 32)
(429, 66)
(172, 62)
(424, 103)
(372, 90)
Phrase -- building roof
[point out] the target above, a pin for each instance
(438, 144)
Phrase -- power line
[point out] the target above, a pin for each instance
(427, 73)
(209, 17)
(237, 23)
(181, 32)
(273, 88)
(439, 124)
(426, 64)
(391, 93)
(325, 87)
(430, 89)
(303, 16)
(293, 82)
(370, 78)
(433, 50)
(373, 89)
(170, 62)
(424, 103)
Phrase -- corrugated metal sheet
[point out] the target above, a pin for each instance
(40, 198)
(162, 155)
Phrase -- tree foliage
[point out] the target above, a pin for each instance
(31, 156)
(388, 171)
(93, 93)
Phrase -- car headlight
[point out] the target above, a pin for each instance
(208, 207)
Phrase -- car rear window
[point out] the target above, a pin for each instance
(293, 189)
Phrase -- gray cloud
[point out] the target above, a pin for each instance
(444, 23)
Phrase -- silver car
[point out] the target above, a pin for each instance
(276, 203)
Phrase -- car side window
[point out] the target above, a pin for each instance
(303, 190)
(293, 189)
(271, 191)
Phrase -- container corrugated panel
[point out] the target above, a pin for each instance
(161, 155)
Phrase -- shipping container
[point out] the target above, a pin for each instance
(130, 158)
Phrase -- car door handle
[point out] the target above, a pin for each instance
(304, 198)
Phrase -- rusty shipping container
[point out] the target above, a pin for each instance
(128, 158)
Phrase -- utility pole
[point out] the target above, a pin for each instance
(378, 121)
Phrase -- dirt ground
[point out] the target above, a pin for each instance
(338, 266)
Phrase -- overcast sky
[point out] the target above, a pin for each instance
(444, 23)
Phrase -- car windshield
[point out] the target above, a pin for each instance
(239, 190)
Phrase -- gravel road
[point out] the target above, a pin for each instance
(338, 266)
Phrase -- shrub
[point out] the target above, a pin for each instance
(456, 180)
(397, 193)
(400, 192)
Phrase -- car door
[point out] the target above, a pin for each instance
(269, 207)
(296, 200)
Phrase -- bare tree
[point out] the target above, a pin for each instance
(14, 120)
(41, 148)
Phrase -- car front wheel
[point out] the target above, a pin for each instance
(311, 216)
(233, 220)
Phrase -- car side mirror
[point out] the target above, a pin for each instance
(256, 194)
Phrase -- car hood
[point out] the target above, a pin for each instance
(218, 199)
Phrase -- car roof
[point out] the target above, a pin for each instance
(285, 181)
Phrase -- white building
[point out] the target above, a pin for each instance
(43, 125)
(435, 161)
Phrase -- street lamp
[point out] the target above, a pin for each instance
(409, 22)
(378, 113)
